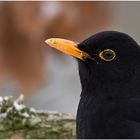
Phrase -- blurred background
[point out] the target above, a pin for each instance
(49, 79)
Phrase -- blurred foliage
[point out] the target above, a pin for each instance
(19, 121)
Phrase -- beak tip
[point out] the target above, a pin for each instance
(51, 41)
(47, 41)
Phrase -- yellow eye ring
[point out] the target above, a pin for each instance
(107, 55)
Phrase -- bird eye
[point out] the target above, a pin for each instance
(107, 55)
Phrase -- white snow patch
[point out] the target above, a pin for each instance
(25, 114)
(1, 99)
(6, 98)
(32, 110)
(19, 106)
(3, 115)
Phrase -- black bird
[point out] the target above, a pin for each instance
(109, 69)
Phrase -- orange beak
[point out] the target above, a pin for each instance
(68, 47)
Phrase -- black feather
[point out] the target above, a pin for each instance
(110, 100)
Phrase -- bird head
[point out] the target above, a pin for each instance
(105, 58)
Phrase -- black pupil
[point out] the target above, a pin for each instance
(108, 54)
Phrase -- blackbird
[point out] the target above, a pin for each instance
(109, 69)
